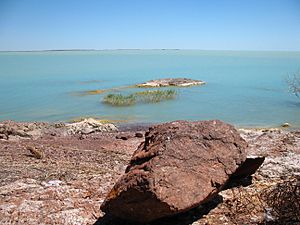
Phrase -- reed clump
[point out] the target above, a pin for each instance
(152, 96)
(156, 95)
(119, 99)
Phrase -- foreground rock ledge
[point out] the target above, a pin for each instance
(179, 166)
(179, 82)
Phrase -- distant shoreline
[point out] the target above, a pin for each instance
(140, 49)
(90, 50)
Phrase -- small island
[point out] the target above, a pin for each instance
(179, 82)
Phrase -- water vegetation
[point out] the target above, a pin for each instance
(152, 96)
(89, 92)
(101, 91)
(119, 99)
(95, 92)
(156, 95)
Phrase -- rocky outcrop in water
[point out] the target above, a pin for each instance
(180, 82)
(179, 166)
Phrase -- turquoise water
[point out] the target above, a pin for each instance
(243, 88)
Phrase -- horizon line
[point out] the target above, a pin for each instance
(144, 49)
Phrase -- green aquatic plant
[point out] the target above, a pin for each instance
(156, 95)
(139, 97)
(119, 99)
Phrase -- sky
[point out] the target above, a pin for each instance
(150, 24)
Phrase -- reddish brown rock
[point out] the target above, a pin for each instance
(179, 166)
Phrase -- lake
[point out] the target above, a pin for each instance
(247, 89)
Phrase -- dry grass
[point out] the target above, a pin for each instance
(283, 201)
(276, 204)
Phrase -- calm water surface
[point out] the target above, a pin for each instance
(243, 88)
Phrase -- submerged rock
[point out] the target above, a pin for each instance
(90, 125)
(179, 166)
(285, 125)
(180, 82)
(92, 92)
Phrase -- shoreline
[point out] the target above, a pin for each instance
(131, 126)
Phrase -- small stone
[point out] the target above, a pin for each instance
(123, 137)
(139, 135)
(3, 136)
(59, 125)
(285, 125)
(36, 153)
(52, 183)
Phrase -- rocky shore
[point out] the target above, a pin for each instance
(61, 173)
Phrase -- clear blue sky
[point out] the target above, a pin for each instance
(147, 24)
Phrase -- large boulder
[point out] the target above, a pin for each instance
(179, 166)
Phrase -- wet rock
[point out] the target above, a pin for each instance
(179, 166)
(88, 126)
(285, 125)
(180, 82)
